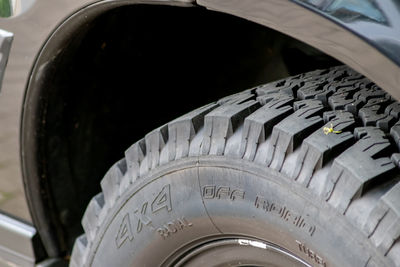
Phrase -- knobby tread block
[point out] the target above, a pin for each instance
(356, 167)
(393, 110)
(259, 124)
(182, 131)
(321, 147)
(91, 217)
(220, 124)
(365, 94)
(134, 156)
(343, 99)
(396, 159)
(383, 224)
(79, 252)
(372, 115)
(305, 123)
(395, 133)
(316, 90)
(111, 182)
(288, 133)
(155, 142)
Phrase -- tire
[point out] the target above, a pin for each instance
(302, 171)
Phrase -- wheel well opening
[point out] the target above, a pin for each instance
(133, 69)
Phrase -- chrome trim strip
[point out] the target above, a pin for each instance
(16, 242)
(5, 46)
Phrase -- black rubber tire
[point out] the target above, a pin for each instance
(308, 164)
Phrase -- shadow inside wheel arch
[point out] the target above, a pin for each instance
(125, 73)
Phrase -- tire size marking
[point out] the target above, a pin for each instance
(173, 227)
(139, 218)
(222, 192)
(284, 214)
(311, 254)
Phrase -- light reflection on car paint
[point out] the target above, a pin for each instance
(350, 10)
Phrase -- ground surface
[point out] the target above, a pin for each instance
(12, 198)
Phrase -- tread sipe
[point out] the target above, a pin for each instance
(332, 131)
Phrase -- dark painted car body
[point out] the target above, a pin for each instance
(364, 34)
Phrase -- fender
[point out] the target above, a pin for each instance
(363, 36)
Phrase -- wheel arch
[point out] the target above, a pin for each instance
(33, 165)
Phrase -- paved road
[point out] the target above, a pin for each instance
(12, 198)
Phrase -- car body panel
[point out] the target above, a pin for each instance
(368, 41)
(375, 21)
(369, 46)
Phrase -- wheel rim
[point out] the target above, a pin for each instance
(237, 252)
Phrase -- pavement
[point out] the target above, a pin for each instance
(12, 198)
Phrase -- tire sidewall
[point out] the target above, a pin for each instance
(188, 201)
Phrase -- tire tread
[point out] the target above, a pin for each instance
(280, 125)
